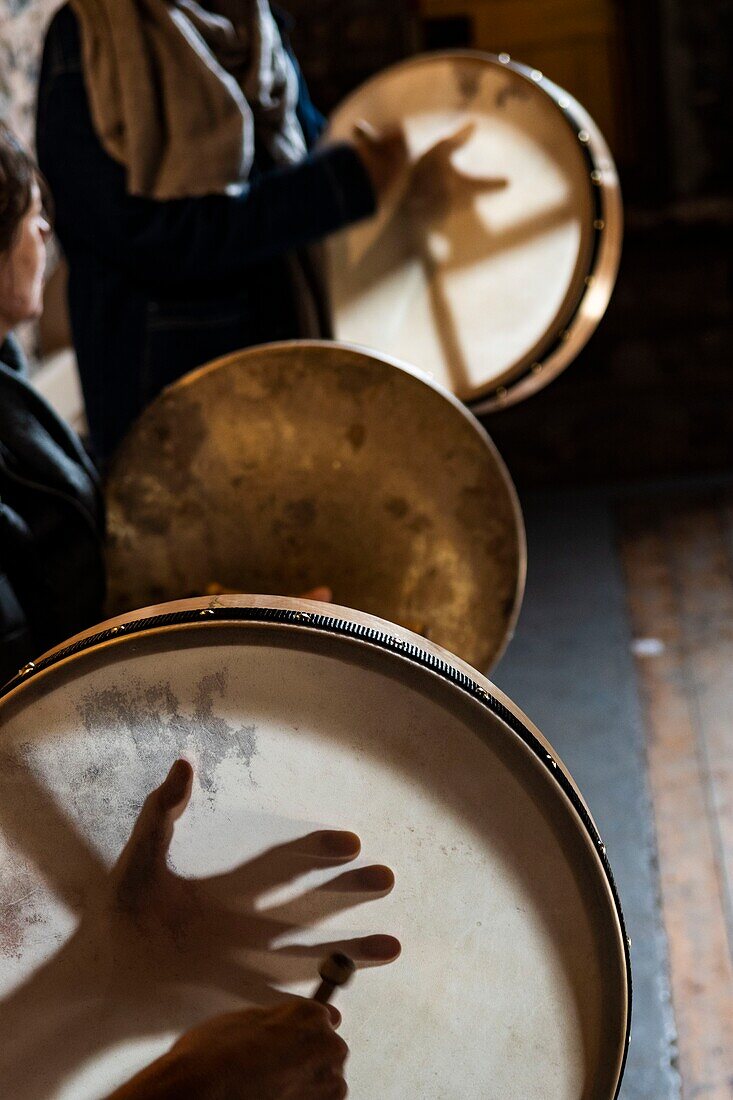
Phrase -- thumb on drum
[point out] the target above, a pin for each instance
(153, 830)
(457, 139)
(175, 790)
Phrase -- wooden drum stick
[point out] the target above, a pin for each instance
(335, 971)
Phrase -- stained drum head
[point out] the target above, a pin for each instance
(293, 465)
(495, 298)
(513, 979)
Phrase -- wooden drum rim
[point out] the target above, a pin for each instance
(605, 256)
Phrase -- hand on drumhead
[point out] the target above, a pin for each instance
(285, 1053)
(437, 185)
(162, 929)
(155, 953)
(384, 154)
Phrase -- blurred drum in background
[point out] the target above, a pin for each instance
(293, 465)
(514, 976)
(496, 296)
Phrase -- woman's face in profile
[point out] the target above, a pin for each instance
(22, 267)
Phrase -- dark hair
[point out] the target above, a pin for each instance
(18, 173)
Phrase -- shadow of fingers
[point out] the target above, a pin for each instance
(344, 892)
(284, 863)
(298, 962)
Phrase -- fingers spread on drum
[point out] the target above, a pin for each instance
(296, 961)
(248, 932)
(343, 892)
(152, 929)
(248, 969)
(285, 862)
(255, 929)
(366, 951)
(241, 931)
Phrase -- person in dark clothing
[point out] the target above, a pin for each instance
(159, 286)
(51, 511)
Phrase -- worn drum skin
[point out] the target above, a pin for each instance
(285, 467)
(496, 298)
(513, 982)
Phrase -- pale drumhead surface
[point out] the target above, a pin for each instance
(512, 979)
(289, 466)
(474, 296)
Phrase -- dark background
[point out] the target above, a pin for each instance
(650, 396)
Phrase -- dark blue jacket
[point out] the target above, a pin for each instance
(158, 288)
(51, 524)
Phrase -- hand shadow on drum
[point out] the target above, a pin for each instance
(391, 250)
(194, 948)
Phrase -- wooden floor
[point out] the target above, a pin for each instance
(677, 552)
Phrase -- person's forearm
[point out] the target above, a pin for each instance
(210, 237)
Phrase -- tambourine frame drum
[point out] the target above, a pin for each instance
(514, 979)
(595, 179)
(288, 466)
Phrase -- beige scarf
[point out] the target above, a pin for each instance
(180, 90)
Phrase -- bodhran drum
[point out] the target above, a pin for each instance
(513, 980)
(288, 466)
(497, 297)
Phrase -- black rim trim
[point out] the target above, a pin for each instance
(554, 343)
(330, 625)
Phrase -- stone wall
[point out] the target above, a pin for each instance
(22, 28)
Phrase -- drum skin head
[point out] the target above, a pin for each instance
(513, 979)
(495, 296)
(289, 466)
